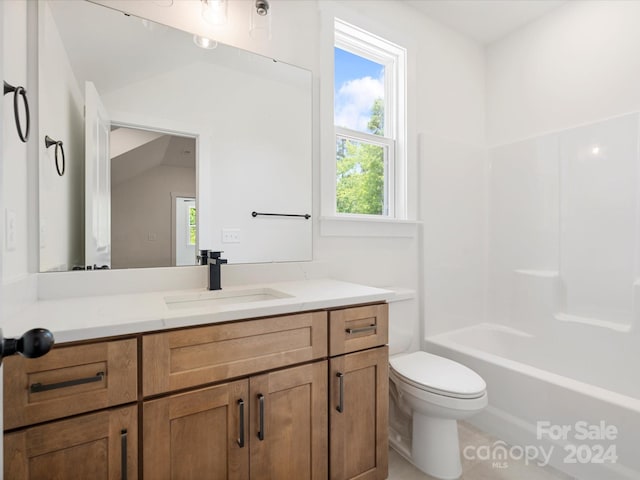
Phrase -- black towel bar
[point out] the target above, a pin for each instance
(17, 93)
(306, 216)
(48, 141)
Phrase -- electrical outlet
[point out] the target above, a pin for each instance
(152, 236)
(10, 230)
(230, 235)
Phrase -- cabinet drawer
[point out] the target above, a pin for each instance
(69, 380)
(191, 357)
(358, 328)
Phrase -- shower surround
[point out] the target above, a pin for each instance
(559, 343)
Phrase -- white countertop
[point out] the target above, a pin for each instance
(85, 318)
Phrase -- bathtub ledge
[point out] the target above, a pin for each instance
(594, 322)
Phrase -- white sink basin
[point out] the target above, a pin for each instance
(216, 298)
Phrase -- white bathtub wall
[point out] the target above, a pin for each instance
(523, 226)
(563, 218)
(599, 219)
(563, 221)
(453, 208)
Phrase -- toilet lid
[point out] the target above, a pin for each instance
(439, 375)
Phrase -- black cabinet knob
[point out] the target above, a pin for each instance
(33, 344)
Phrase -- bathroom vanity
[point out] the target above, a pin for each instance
(234, 391)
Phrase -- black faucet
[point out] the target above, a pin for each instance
(214, 270)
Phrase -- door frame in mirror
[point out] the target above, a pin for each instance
(203, 168)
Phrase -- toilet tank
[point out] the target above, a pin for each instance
(404, 335)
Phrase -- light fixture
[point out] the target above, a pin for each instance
(204, 42)
(215, 11)
(595, 150)
(262, 7)
(260, 21)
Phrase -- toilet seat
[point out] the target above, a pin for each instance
(438, 375)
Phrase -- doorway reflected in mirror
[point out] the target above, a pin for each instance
(153, 199)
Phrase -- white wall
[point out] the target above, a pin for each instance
(576, 65)
(445, 91)
(141, 206)
(61, 102)
(454, 208)
(449, 99)
(446, 105)
(14, 181)
(446, 109)
(257, 158)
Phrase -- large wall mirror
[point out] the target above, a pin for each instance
(169, 147)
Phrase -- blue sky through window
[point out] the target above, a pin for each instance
(358, 82)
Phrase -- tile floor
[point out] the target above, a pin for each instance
(400, 469)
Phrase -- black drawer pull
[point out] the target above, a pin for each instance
(123, 455)
(39, 387)
(340, 407)
(241, 437)
(261, 405)
(370, 328)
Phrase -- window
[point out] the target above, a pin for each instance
(369, 111)
(192, 225)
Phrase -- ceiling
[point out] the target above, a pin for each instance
(149, 152)
(485, 21)
(113, 49)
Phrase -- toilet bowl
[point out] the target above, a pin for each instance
(428, 394)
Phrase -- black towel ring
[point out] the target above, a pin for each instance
(48, 141)
(19, 92)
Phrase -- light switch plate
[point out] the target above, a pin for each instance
(230, 235)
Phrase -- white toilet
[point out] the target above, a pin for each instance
(428, 394)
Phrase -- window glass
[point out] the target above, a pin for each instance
(360, 182)
(359, 93)
(192, 225)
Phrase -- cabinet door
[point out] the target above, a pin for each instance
(359, 405)
(289, 424)
(198, 435)
(101, 445)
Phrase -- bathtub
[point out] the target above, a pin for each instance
(576, 401)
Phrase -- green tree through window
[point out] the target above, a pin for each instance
(192, 225)
(360, 170)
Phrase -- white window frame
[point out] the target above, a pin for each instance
(355, 40)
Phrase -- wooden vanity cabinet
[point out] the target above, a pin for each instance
(301, 396)
(270, 426)
(359, 393)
